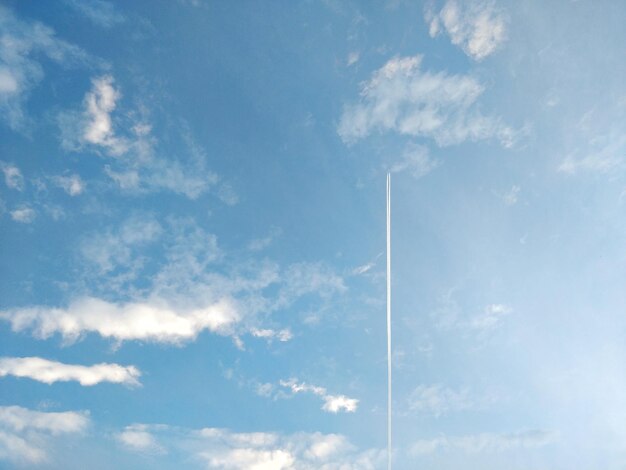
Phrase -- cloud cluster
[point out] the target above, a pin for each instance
(332, 403)
(402, 98)
(44, 370)
(228, 450)
(476, 26)
(485, 442)
(25, 434)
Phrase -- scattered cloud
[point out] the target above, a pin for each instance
(228, 450)
(269, 334)
(25, 434)
(416, 160)
(20, 71)
(12, 176)
(332, 403)
(44, 370)
(72, 184)
(23, 214)
(606, 153)
(486, 442)
(401, 97)
(100, 12)
(353, 58)
(476, 26)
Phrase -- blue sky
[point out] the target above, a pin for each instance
(193, 231)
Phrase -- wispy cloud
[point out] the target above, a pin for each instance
(332, 403)
(476, 26)
(128, 142)
(439, 400)
(20, 70)
(25, 434)
(486, 442)
(71, 184)
(402, 98)
(44, 370)
(416, 160)
(259, 244)
(12, 176)
(100, 12)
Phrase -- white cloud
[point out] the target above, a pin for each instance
(332, 403)
(25, 434)
(269, 334)
(23, 214)
(44, 370)
(72, 184)
(486, 442)
(491, 317)
(152, 320)
(439, 400)
(12, 176)
(19, 70)
(100, 12)
(135, 164)
(400, 97)
(353, 58)
(606, 153)
(476, 26)
(228, 450)
(416, 160)
(138, 437)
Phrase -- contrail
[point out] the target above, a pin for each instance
(389, 321)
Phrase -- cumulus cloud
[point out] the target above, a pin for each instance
(21, 44)
(44, 370)
(12, 176)
(476, 26)
(72, 184)
(486, 442)
(402, 98)
(100, 12)
(23, 215)
(332, 403)
(148, 321)
(228, 450)
(25, 434)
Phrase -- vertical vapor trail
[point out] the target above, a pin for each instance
(389, 321)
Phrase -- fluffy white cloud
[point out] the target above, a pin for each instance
(19, 70)
(486, 442)
(225, 449)
(332, 403)
(44, 370)
(12, 176)
(476, 26)
(25, 434)
(72, 184)
(400, 97)
(148, 321)
(24, 214)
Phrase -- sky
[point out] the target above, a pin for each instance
(192, 242)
